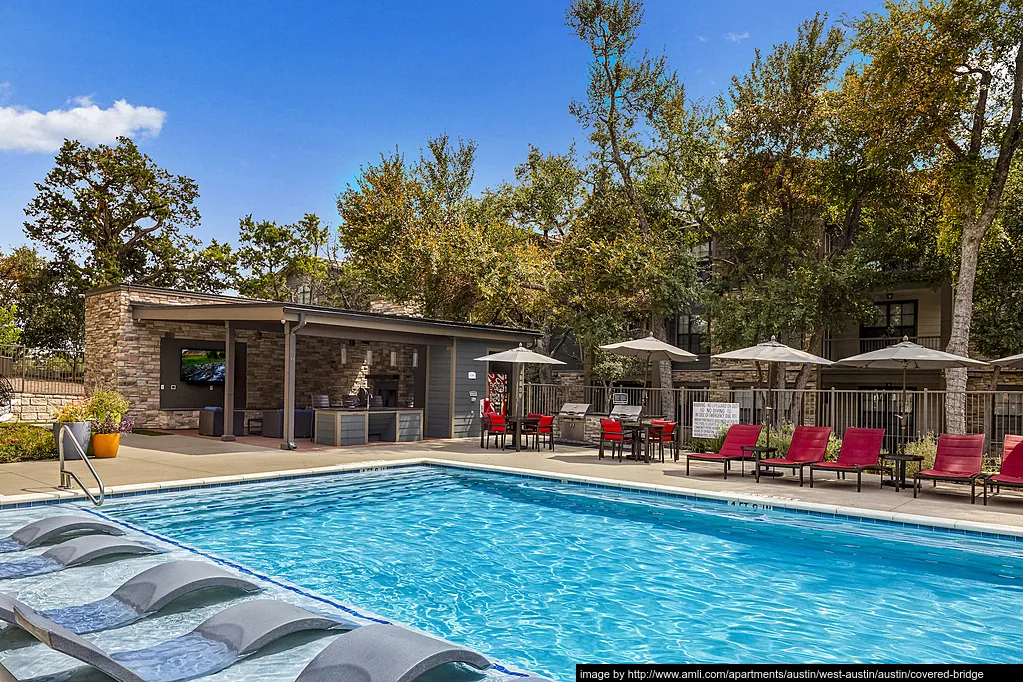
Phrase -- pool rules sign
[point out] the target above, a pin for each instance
(710, 419)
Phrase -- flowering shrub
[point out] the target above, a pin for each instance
(111, 424)
(24, 442)
(74, 411)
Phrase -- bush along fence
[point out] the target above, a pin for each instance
(993, 413)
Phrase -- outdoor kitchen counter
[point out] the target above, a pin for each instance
(348, 426)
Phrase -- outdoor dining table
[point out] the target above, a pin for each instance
(641, 430)
(517, 423)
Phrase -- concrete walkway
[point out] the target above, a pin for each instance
(170, 458)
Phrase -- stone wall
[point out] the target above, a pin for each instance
(124, 355)
(38, 407)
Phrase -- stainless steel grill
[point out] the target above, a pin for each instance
(572, 420)
(626, 411)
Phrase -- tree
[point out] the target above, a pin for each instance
(631, 248)
(942, 84)
(419, 237)
(45, 297)
(121, 218)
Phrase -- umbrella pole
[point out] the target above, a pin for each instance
(902, 422)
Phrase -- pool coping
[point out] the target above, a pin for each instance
(746, 500)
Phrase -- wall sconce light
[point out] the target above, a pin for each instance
(415, 357)
(344, 354)
(394, 357)
(369, 356)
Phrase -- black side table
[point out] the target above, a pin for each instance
(758, 452)
(899, 480)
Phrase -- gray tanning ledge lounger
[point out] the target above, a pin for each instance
(145, 594)
(385, 653)
(53, 529)
(220, 641)
(73, 553)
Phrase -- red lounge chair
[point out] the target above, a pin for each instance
(738, 437)
(611, 431)
(1011, 472)
(861, 451)
(545, 428)
(664, 434)
(959, 459)
(808, 446)
(495, 426)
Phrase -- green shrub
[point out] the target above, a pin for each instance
(107, 406)
(25, 442)
(709, 444)
(926, 447)
(74, 411)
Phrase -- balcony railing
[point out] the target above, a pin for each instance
(836, 349)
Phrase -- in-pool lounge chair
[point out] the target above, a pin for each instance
(738, 437)
(861, 451)
(220, 641)
(386, 653)
(54, 529)
(959, 460)
(1010, 474)
(809, 445)
(142, 596)
(75, 552)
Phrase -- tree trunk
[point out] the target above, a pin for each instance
(795, 415)
(660, 330)
(974, 229)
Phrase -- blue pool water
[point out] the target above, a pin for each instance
(544, 575)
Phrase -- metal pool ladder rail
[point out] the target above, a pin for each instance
(66, 477)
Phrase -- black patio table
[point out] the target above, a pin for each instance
(518, 423)
(641, 430)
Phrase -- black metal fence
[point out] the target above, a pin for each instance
(42, 370)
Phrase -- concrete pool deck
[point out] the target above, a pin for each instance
(176, 460)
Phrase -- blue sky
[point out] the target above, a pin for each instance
(273, 106)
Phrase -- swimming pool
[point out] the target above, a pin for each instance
(544, 575)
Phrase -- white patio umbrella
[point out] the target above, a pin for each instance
(905, 356)
(650, 349)
(774, 351)
(520, 357)
(1011, 361)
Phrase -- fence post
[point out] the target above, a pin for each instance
(924, 418)
(833, 408)
(24, 368)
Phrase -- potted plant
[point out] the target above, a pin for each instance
(75, 415)
(108, 422)
(106, 435)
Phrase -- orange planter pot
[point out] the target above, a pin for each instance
(104, 445)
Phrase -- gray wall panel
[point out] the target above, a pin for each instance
(438, 393)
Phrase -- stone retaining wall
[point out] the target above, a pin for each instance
(38, 407)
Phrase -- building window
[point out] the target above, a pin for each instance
(892, 320)
(305, 294)
(703, 251)
(693, 334)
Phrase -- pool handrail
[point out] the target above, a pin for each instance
(66, 476)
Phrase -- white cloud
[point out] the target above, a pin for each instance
(5, 91)
(702, 39)
(736, 37)
(27, 130)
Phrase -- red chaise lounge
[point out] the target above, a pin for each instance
(738, 437)
(1011, 472)
(861, 451)
(959, 460)
(809, 445)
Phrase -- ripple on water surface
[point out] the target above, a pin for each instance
(545, 575)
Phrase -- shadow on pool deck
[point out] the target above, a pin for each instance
(176, 457)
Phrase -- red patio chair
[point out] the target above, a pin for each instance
(611, 431)
(809, 445)
(665, 433)
(1010, 474)
(861, 451)
(495, 426)
(738, 437)
(546, 429)
(959, 460)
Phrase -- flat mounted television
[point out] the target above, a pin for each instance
(203, 366)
